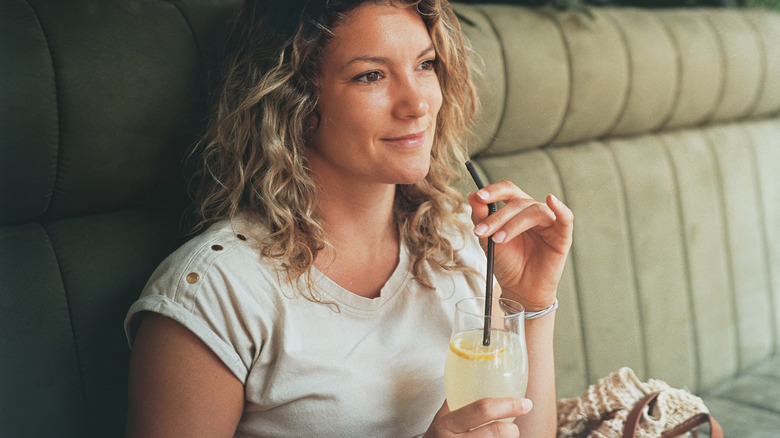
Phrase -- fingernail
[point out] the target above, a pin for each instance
(555, 199)
(483, 194)
(499, 237)
(527, 404)
(480, 229)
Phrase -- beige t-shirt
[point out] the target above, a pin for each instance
(370, 368)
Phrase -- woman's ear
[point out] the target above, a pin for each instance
(310, 124)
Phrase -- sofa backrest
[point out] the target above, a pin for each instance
(99, 100)
(660, 130)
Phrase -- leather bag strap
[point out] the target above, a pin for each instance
(689, 425)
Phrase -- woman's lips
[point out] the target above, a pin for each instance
(409, 140)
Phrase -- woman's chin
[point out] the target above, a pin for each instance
(413, 176)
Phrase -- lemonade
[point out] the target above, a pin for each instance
(474, 371)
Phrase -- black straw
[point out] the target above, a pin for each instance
(490, 249)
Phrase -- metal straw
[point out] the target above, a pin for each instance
(490, 249)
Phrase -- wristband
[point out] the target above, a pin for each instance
(540, 313)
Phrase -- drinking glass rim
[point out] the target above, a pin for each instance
(512, 308)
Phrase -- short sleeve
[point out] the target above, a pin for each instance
(198, 287)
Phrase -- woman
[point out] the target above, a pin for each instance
(319, 301)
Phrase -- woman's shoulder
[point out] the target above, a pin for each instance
(221, 238)
(227, 250)
(208, 284)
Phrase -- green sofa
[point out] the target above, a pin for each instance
(660, 129)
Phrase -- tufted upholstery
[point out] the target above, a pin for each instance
(98, 102)
(659, 128)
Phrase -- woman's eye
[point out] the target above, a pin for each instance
(429, 64)
(371, 76)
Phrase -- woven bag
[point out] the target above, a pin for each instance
(621, 405)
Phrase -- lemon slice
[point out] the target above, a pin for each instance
(471, 349)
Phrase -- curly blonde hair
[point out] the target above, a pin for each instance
(254, 151)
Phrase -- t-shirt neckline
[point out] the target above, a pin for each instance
(391, 288)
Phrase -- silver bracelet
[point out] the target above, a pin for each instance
(539, 313)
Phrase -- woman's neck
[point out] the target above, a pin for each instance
(360, 227)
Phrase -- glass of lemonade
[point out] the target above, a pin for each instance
(474, 370)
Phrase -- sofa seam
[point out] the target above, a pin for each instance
(195, 40)
(745, 404)
(77, 350)
(632, 257)
(488, 147)
(764, 236)
(679, 70)
(767, 376)
(572, 260)
(762, 67)
(55, 80)
(726, 239)
(630, 75)
(686, 262)
(204, 79)
(570, 70)
(708, 118)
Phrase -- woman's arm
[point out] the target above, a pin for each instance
(542, 420)
(178, 386)
(532, 242)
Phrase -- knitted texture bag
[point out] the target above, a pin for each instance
(605, 409)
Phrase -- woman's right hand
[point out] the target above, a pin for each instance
(477, 419)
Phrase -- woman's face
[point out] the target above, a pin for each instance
(379, 97)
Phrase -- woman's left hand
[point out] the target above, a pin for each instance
(532, 240)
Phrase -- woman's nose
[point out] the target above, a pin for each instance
(411, 99)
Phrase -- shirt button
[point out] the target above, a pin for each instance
(192, 278)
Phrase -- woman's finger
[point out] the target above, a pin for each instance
(479, 209)
(497, 192)
(515, 218)
(501, 191)
(563, 214)
(486, 410)
(495, 429)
